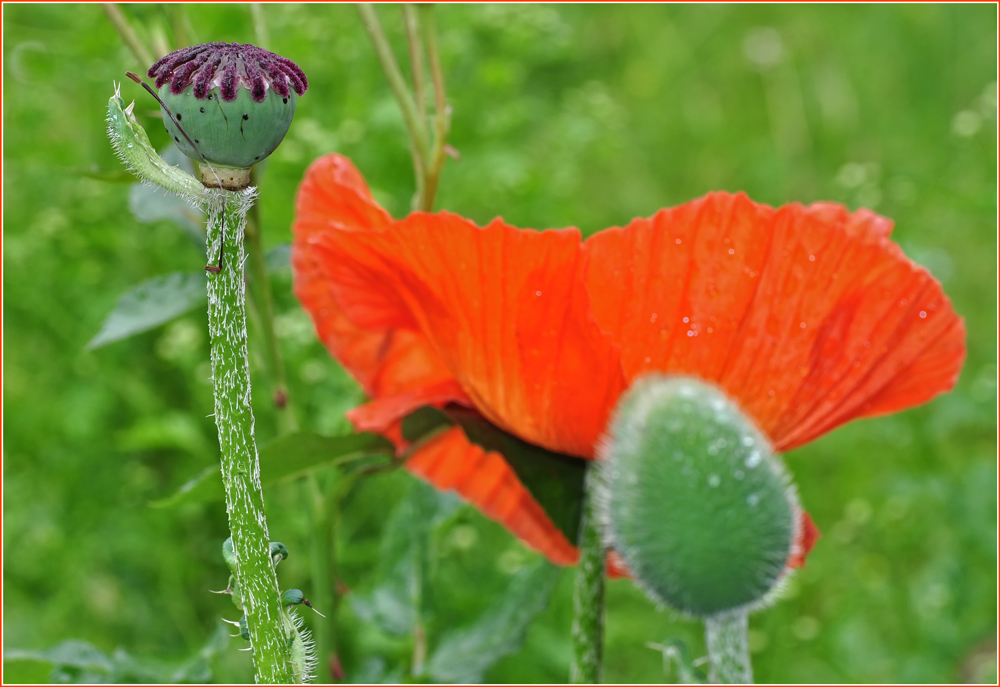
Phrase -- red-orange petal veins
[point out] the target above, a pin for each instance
(384, 360)
(807, 317)
(501, 307)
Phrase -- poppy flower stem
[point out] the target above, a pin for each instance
(588, 593)
(234, 418)
(728, 648)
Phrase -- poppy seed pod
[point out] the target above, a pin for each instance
(695, 500)
(232, 105)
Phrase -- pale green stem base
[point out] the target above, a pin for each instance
(234, 419)
(728, 649)
(588, 595)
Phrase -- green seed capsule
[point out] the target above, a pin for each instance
(237, 134)
(696, 502)
(227, 105)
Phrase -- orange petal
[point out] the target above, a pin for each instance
(808, 534)
(385, 415)
(383, 360)
(502, 310)
(484, 479)
(807, 317)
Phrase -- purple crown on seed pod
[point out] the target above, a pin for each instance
(228, 66)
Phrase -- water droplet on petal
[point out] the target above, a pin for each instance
(923, 314)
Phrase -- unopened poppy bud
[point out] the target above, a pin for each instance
(696, 501)
(234, 103)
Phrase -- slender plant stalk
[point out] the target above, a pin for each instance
(395, 77)
(588, 594)
(234, 419)
(259, 25)
(442, 116)
(323, 562)
(413, 42)
(260, 292)
(728, 649)
(128, 34)
(427, 158)
(158, 39)
(183, 31)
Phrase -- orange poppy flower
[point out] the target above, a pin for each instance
(807, 317)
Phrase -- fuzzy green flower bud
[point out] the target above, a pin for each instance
(232, 105)
(695, 500)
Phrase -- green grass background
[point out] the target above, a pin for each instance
(564, 115)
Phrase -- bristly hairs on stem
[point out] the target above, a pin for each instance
(131, 145)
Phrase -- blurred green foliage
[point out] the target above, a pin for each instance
(563, 115)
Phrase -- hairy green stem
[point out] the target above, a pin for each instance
(588, 594)
(728, 649)
(234, 419)
(128, 34)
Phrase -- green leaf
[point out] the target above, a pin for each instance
(296, 454)
(205, 486)
(76, 661)
(555, 480)
(150, 304)
(284, 458)
(465, 654)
